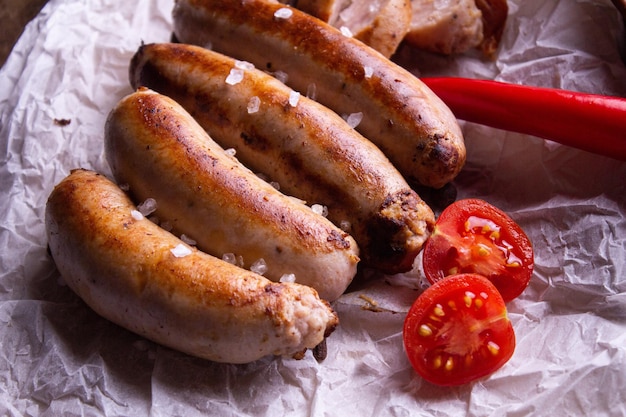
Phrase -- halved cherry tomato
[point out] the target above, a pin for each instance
(458, 330)
(472, 235)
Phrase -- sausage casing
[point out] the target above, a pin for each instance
(156, 148)
(310, 151)
(401, 115)
(125, 268)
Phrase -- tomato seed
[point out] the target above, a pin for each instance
(468, 298)
(425, 330)
(493, 347)
(434, 318)
(483, 250)
(438, 310)
(437, 362)
(449, 364)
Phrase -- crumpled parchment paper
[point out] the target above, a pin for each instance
(57, 357)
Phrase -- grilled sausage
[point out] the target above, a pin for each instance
(403, 117)
(137, 275)
(310, 151)
(379, 24)
(155, 147)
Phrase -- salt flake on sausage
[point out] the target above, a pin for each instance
(283, 13)
(235, 76)
(181, 250)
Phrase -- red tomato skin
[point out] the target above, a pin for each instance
(492, 315)
(440, 250)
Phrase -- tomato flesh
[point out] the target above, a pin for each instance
(473, 236)
(458, 330)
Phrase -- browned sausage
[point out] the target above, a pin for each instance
(403, 117)
(145, 279)
(310, 151)
(155, 147)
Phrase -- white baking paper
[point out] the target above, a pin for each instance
(57, 357)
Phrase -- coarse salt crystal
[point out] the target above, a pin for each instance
(181, 250)
(235, 76)
(311, 91)
(287, 278)
(254, 104)
(167, 226)
(230, 151)
(244, 65)
(275, 185)
(345, 225)
(136, 214)
(283, 13)
(369, 71)
(124, 187)
(259, 266)
(262, 176)
(148, 207)
(294, 97)
(281, 76)
(187, 240)
(354, 119)
(346, 31)
(231, 258)
(320, 209)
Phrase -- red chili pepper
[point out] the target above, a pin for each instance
(591, 122)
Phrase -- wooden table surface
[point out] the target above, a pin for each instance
(14, 15)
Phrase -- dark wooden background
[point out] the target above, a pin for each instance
(14, 15)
